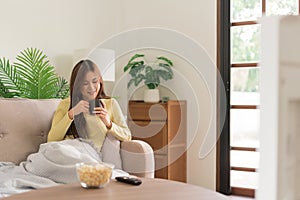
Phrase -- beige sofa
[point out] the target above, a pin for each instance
(24, 125)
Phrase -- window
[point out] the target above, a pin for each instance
(238, 61)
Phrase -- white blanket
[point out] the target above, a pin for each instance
(53, 164)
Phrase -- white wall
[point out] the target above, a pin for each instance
(60, 26)
(196, 19)
(55, 26)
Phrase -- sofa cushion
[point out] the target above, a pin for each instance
(24, 125)
(111, 151)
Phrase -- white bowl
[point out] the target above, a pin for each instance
(94, 175)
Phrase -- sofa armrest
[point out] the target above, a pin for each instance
(138, 158)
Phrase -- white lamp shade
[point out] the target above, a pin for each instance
(104, 59)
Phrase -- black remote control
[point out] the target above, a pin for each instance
(129, 180)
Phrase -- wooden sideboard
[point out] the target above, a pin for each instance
(163, 126)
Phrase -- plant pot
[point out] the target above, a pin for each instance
(151, 95)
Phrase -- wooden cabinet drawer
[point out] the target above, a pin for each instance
(154, 133)
(147, 111)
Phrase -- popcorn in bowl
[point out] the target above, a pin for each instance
(94, 175)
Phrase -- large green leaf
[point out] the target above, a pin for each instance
(138, 79)
(169, 62)
(135, 57)
(8, 80)
(38, 75)
(166, 67)
(130, 63)
(133, 64)
(130, 82)
(151, 78)
(63, 89)
(164, 75)
(136, 68)
(31, 76)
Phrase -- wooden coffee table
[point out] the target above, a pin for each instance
(154, 189)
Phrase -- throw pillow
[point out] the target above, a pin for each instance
(111, 151)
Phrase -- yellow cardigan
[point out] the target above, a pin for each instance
(96, 128)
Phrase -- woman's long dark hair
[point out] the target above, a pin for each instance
(78, 126)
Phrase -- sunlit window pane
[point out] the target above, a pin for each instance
(244, 179)
(245, 10)
(248, 159)
(281, 7)
(244, 127)
(244, 86)
(245, 44)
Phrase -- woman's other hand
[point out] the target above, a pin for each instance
(104, 116)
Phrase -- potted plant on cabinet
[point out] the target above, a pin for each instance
(32, 77)
(150, 74)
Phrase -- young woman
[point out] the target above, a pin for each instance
(72, 118)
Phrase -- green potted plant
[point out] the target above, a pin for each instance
(32, 77)
(149, 74)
